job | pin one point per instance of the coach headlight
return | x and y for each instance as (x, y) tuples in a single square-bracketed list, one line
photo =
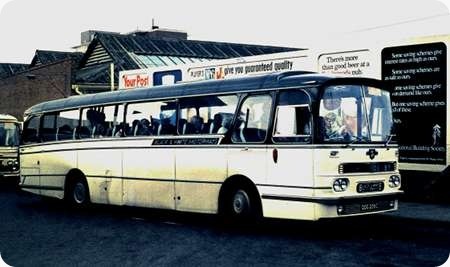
[(394, 181), (340, 184), (15, 165)]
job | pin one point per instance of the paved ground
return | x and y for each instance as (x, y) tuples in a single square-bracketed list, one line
[(422, 211), (36, 232)]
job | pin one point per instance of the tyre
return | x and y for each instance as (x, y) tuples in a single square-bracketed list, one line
[(242, 205), (78, 193)]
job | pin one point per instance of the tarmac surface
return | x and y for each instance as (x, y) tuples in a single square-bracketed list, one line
[(36, 231), (422, 211)]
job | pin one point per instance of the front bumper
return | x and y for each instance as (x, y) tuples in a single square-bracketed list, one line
[(314, 208), (6, 175)]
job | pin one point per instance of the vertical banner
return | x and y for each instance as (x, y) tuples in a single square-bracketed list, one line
[(417, 75)]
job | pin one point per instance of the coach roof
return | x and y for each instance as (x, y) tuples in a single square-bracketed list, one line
[(275, 80), (7, 117)]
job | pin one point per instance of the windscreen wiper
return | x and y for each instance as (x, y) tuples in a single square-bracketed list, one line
[(389, 139), (357, 139)]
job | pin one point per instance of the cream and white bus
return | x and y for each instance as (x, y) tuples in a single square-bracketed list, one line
[(9, 148), (256, 146)]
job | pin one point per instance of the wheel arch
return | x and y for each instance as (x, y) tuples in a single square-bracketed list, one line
[(238, 181), (71, 177)]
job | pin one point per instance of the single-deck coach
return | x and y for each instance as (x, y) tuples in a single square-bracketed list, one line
[(287, 145)]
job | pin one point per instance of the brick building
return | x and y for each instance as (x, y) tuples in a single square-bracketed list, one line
[(49, 76), (37, 84)]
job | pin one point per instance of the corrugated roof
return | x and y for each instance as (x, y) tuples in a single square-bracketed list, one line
[(44, 57), (118, 45), (9, 69), (134, 51)]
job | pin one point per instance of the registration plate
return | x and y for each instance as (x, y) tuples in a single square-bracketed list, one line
[(370, 207), (370, 187), (373, 206)]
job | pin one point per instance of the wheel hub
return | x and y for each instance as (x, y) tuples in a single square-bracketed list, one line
[(241, 202), (79, 193)]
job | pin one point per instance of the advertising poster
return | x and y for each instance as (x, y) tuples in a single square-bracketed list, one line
[(255, 66), (416, 74), (349, 63)]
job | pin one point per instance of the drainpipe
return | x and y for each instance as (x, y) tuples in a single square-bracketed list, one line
[(112, 75)]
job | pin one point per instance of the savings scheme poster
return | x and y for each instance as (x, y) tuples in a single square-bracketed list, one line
[(417, 76)]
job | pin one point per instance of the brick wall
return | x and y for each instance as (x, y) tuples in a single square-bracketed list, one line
[(42, 83)]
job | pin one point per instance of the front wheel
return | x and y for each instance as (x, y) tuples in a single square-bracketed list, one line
[(78, 193), (242, 205)]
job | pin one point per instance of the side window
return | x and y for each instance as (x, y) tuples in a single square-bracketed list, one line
[(85, 128), (253, 120), (92, 123), (100, 122), (207, 114), (66, 123), (31, 130), (116, 124), (112, 124), (168, 119), (293, 121), (48, 128), (151, 118)]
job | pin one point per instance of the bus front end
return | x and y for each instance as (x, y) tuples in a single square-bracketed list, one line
[(356, 164), (9, 145), (356, 181)]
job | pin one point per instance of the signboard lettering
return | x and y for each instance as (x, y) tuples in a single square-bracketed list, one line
[(417, 76), (352, 63), (135, 81), (241, 69)]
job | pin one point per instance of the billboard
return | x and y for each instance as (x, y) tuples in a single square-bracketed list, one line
[(417, 76), (356, 63), (215, 69)]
